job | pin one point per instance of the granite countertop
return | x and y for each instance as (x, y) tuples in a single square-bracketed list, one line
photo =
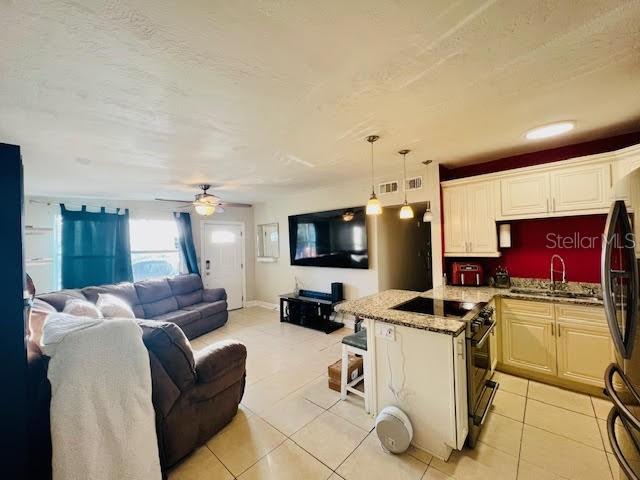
[(379, 306)]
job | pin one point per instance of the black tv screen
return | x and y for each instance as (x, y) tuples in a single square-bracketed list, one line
[(336, 238)]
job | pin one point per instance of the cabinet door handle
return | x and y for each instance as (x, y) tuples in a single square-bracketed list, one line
[(559, 332), (553, 332), (547, 201), (553, 204), (470, 247)]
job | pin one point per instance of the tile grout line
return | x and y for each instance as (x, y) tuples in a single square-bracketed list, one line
[(526, 401)]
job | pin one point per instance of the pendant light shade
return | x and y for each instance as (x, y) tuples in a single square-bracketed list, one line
[(428, 215), (406, 211), (373, 205)]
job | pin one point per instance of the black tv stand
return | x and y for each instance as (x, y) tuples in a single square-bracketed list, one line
[(309, 309)]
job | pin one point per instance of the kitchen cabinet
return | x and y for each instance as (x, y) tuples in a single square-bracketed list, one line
[(569, 342), (526, 194), (580, 188), (584, 344), (529, 343), (469, 220)]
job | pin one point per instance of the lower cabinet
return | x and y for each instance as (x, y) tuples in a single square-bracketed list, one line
[(584, 351), (529, 343), (570, 342)]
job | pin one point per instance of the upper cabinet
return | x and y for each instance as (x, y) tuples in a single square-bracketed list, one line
[(469, 220), (526, 194), (571, 190), (580, 188)]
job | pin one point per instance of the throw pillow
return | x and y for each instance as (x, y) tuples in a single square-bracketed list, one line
[(81, 308), (114, 307)]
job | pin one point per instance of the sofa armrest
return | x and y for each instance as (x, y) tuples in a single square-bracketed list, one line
[(225, 358), (172, 349), (214, 294)]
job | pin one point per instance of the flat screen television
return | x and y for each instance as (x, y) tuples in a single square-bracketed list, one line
[(335, 238)]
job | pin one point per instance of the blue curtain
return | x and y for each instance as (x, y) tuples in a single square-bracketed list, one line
[(185, 238), (96, 248)]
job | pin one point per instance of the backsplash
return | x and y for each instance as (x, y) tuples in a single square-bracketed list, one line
[(589, 288)]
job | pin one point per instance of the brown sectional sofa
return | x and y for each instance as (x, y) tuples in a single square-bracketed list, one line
[(195, 394)]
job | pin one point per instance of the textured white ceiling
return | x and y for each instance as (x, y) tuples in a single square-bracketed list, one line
[(133, 99)]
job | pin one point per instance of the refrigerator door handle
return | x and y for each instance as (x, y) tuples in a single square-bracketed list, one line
[(615, 446), (620, 406), (618, 229)]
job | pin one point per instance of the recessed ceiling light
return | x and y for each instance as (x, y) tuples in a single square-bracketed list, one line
[(550, 130)]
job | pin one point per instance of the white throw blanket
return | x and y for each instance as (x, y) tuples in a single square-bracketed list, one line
[(102, 418)]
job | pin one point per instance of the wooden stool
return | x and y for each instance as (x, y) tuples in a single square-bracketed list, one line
[(357, 344)]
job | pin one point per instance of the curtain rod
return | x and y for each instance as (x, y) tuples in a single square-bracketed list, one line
[(89, 205)]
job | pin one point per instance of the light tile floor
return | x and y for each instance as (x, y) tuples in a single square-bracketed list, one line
[(292, 426)]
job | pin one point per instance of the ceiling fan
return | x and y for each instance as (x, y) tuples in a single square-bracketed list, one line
[(205, 203)]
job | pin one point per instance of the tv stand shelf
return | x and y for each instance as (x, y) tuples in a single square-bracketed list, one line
[(309, 309)]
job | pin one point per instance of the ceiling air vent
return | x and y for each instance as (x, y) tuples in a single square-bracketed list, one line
[(388, 187), (414, 183)]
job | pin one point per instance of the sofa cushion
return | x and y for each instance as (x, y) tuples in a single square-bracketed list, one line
[(166, 305), (181, 284), (59, 299), (186, 288), (153, 290), (206, 309), (126, 291), (179, 317)]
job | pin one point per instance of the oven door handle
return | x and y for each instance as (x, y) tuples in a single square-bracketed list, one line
[(615, 446), (480, 343)]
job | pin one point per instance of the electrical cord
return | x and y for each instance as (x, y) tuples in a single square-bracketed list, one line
[(398, 394)]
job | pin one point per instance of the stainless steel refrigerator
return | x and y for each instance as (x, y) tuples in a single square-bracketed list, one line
[(621, 289)]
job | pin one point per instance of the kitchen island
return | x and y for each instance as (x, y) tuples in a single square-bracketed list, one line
[(418, 361)]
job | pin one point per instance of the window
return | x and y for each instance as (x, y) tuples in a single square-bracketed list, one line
[(154, 248)]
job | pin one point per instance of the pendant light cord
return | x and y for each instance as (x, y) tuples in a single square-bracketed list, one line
[(373, 189), (404, 175)]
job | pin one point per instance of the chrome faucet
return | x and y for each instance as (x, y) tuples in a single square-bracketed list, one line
[(563, 271)]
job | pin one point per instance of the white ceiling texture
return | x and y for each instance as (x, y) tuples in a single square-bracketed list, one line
[(135, 99)]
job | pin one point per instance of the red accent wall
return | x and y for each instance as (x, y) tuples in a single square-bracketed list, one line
[(578, 240)]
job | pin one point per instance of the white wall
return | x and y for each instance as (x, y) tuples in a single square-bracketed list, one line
[(41, 212), (273, 279)]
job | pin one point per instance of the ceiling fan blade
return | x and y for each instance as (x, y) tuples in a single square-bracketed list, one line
[(219, 209), (231, 204), (173, 201)]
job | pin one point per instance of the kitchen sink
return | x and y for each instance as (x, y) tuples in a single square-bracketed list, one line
[(555, 293)]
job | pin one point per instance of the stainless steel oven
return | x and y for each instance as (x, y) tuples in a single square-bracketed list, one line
[(480, 388)]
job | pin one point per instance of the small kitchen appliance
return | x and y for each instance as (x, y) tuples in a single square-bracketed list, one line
[(467, 274), (502, 279)]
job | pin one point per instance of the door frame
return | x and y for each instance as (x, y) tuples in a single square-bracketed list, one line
[(203, 225)]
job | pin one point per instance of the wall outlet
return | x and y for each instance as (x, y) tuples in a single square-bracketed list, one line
[(387, 332)]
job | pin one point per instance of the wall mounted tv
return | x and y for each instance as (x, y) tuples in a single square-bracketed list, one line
[(335, 238)]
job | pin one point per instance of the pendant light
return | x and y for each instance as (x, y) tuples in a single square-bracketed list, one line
[(428, 215), (406, 211), (373, 205)]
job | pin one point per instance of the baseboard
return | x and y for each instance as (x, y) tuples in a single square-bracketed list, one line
[(261, 304)]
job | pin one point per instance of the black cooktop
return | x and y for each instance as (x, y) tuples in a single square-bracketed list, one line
[(441, 308)]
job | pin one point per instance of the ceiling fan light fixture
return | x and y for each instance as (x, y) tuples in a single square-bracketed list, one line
[(205, 209)]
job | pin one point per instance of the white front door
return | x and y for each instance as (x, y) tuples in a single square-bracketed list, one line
[(222, 262)]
